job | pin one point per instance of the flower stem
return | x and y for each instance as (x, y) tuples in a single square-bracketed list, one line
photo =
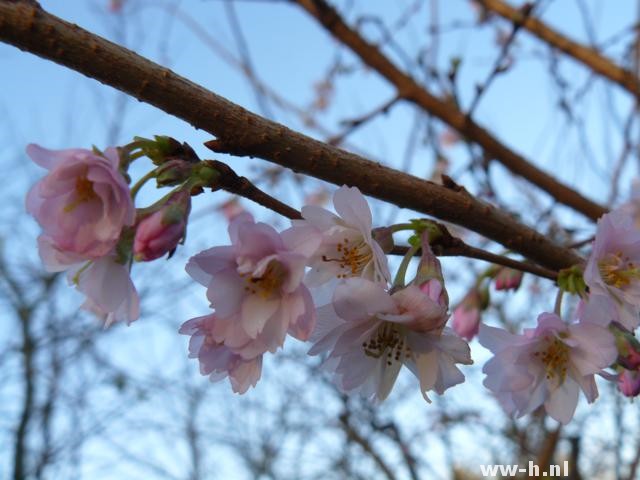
[(138, 185), (558, 307), (402, 270)]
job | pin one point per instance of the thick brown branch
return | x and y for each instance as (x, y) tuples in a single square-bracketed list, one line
[(589, 57), (244, 133), (409, 89)]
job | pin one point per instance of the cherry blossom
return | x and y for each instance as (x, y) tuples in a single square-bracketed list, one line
[(613, 268), (108, 287), (82, 204), (369, 334), (255, 286), (216, 359), (346, 246), (547, 365)]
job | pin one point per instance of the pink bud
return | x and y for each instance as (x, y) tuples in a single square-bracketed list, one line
[(508, 279), (466, 316), (629, 383), (160, 232), (628, 350)]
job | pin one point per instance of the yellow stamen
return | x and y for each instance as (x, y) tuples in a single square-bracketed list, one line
[(84, 192), (269, 283), (618, 271), (555, 358), (352, 258)]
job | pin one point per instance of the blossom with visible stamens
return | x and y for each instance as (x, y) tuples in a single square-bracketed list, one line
[(613, 268), (346, 246), (82, 204), (369, 334), (255, 286), (547, 365)]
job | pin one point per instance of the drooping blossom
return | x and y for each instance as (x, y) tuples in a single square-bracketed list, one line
[(629, 383), (108, 287), (255, 286), (613, 268), (346, 246), (466, 316), (216, 359), (160, 232), (82, 204), (547, 365), (369, 334)]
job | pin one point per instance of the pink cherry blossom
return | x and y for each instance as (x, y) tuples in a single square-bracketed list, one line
[(82, 204), (216, 359), (369, 334), (160, 232), (347, 248), (547, 365), (613, 268), (108, 287), (255, 286)]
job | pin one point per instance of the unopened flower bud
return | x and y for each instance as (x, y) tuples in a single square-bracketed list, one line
[(173, 172), (628, 350), (163, 149), (629, 383), (466, 316), (508, 279), (160, 232), (429, 266)]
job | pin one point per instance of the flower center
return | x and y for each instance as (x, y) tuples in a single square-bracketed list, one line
[(84, 192), (618, 271), (269, 283), (555, 359), (387, 340), (352, 257)]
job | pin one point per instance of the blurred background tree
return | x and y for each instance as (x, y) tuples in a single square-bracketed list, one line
[(553, 82)]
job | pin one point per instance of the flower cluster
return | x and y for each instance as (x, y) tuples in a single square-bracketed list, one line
[(326, 280), (259, 292), (91, 230), (550, 364)]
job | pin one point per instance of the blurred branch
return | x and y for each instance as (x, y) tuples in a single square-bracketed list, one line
[(409, 89), (589, 57)]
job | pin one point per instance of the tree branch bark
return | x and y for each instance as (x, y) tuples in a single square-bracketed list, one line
[(241, 132), (409, 89)]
